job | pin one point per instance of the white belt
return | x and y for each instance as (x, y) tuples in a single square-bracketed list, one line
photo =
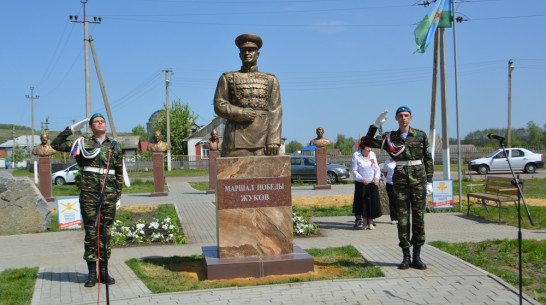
[(409, 163), (98, 170)]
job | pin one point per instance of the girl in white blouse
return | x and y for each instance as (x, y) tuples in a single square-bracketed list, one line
[(366, 204)]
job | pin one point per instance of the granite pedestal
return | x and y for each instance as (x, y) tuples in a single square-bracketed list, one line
[(322, 175), (159, 176), (44, 171), (213, 155), (254, 220)]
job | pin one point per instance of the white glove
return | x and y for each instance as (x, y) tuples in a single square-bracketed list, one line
[(79, 125), (429, 188), (118, 204), (382, 118)]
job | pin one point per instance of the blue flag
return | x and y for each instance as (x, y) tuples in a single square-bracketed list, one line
[(440, 13)]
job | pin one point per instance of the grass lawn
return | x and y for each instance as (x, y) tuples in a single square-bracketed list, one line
[(187, 273), (500, 257), (137, 187), (181, 172), (17, 285)]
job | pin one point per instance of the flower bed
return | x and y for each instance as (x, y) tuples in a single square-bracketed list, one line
[(158, 232), (302, 226)]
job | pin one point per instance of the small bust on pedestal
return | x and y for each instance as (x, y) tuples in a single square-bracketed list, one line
[(214, 143), (43, 150), (158, 146), (319, 141)]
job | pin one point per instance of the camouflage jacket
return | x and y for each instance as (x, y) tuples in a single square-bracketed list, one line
[(91, 181), (416, 146), (259, 91)]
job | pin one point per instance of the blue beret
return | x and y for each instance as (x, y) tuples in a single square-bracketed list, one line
[(402, 109), (94, 116)]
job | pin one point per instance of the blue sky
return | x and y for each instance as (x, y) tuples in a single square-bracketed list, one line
[(339, 62)]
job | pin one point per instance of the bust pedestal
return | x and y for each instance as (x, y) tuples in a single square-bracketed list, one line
[(322, 177), (44, 171), (213, 154), (159, 176)]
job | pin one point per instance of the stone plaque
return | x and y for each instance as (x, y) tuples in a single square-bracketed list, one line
[(254, 213), (254, 193)]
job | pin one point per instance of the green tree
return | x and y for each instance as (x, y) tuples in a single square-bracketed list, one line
[(535, 134), (293, 146), (181, 122), (345, 145), (140, 131), (19, 154)]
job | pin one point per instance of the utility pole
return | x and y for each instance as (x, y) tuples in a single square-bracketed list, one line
[(47, 125), (167, 81), (103, 90), (32, 98), (86, 45), (13, 149), (510, 68)]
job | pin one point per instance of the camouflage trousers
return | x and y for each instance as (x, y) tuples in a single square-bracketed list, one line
[(410, 191), (89, 203)]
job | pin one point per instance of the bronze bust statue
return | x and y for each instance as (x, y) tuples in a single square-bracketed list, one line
[(214, 142), (43, 150), (158, 146), (319, 141), (250, 101)]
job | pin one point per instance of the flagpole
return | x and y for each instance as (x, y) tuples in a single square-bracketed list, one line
[(457, 107)]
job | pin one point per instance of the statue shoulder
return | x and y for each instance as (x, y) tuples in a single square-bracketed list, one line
[(229, 73)]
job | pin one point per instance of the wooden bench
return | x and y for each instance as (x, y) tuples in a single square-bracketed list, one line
[(497, 189)]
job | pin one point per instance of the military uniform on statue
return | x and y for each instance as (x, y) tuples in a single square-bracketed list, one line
[(250, 101)]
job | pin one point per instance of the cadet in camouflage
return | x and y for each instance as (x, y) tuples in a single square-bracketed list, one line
[(250, 102), (92, 155), (412, 180)]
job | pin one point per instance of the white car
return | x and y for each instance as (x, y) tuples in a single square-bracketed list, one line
[(66, 175), (520, 159)]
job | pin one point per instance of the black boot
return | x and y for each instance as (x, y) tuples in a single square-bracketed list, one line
[(91, 280), (417, 263), (358, 222), (406, 260), (103, 276)]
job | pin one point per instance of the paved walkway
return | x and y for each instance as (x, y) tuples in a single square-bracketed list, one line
[(448, 280)]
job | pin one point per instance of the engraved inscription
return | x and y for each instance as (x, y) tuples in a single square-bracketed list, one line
[(253, 193)]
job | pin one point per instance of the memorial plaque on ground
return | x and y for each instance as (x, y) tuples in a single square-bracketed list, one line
[(254, 214)]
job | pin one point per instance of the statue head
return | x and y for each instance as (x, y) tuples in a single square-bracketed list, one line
[(157, 136), (249, 46), (320, 132), (214, 135), (43, 138)]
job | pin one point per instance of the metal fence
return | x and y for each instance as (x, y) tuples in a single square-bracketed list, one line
[(145, 163), (466, 155)]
